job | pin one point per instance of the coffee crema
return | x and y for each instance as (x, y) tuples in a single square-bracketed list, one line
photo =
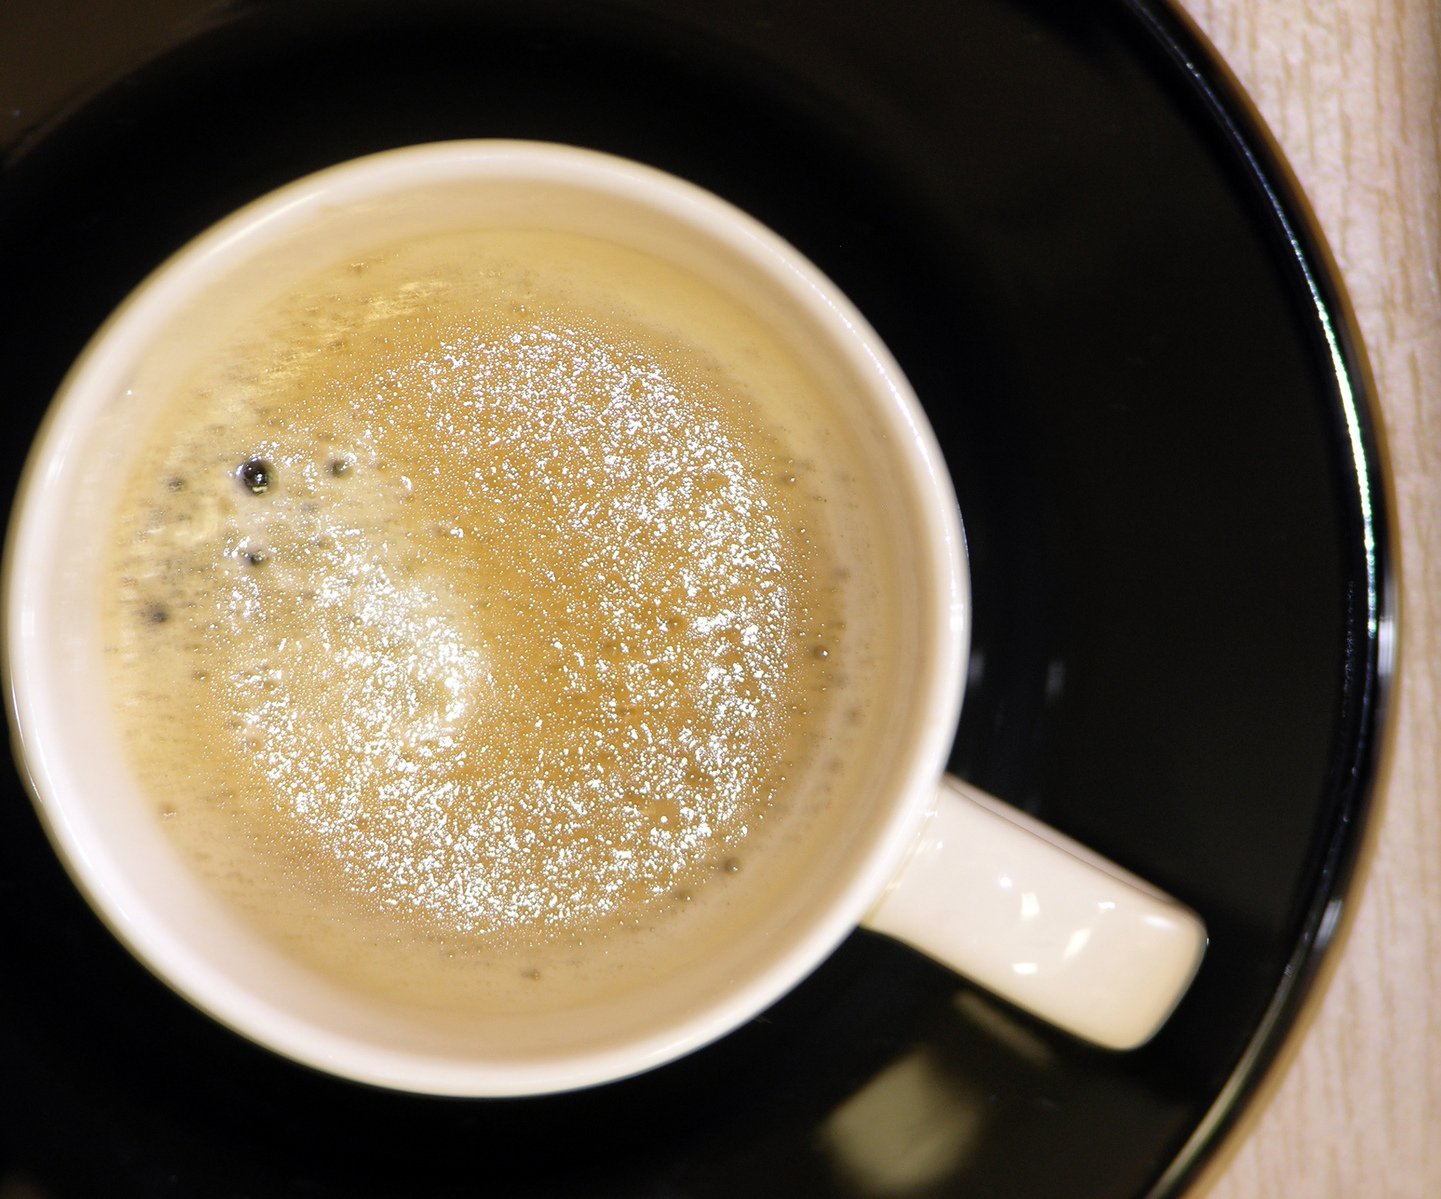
[(484, 617)]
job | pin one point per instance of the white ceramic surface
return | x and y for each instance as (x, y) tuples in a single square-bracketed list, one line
[(1110, 955), (1036, 917)]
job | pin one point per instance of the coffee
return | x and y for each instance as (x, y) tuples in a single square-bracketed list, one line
[(489, 617)]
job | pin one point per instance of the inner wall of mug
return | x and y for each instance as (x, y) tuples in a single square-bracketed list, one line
[(101, 821)]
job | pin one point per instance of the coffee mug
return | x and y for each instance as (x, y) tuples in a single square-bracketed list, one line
[(895, 846)]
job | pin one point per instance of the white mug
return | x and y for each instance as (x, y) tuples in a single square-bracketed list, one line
[(1005, 901)]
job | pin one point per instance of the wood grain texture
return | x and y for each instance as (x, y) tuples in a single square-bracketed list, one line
[(1351, 89)]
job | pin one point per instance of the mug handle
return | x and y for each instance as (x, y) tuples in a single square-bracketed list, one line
[(1042, 921)]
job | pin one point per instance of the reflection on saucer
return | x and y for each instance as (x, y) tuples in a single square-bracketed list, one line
[(905, 1130), (999, 1025)]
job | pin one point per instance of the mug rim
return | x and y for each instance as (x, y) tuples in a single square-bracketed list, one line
[(188, 272)]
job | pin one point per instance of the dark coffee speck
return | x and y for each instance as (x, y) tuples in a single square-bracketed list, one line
[(257, 475)]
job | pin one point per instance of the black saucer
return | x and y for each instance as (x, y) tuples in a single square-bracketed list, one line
[(1064, 222)]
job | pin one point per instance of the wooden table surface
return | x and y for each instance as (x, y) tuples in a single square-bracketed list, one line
[(1351, 89)]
